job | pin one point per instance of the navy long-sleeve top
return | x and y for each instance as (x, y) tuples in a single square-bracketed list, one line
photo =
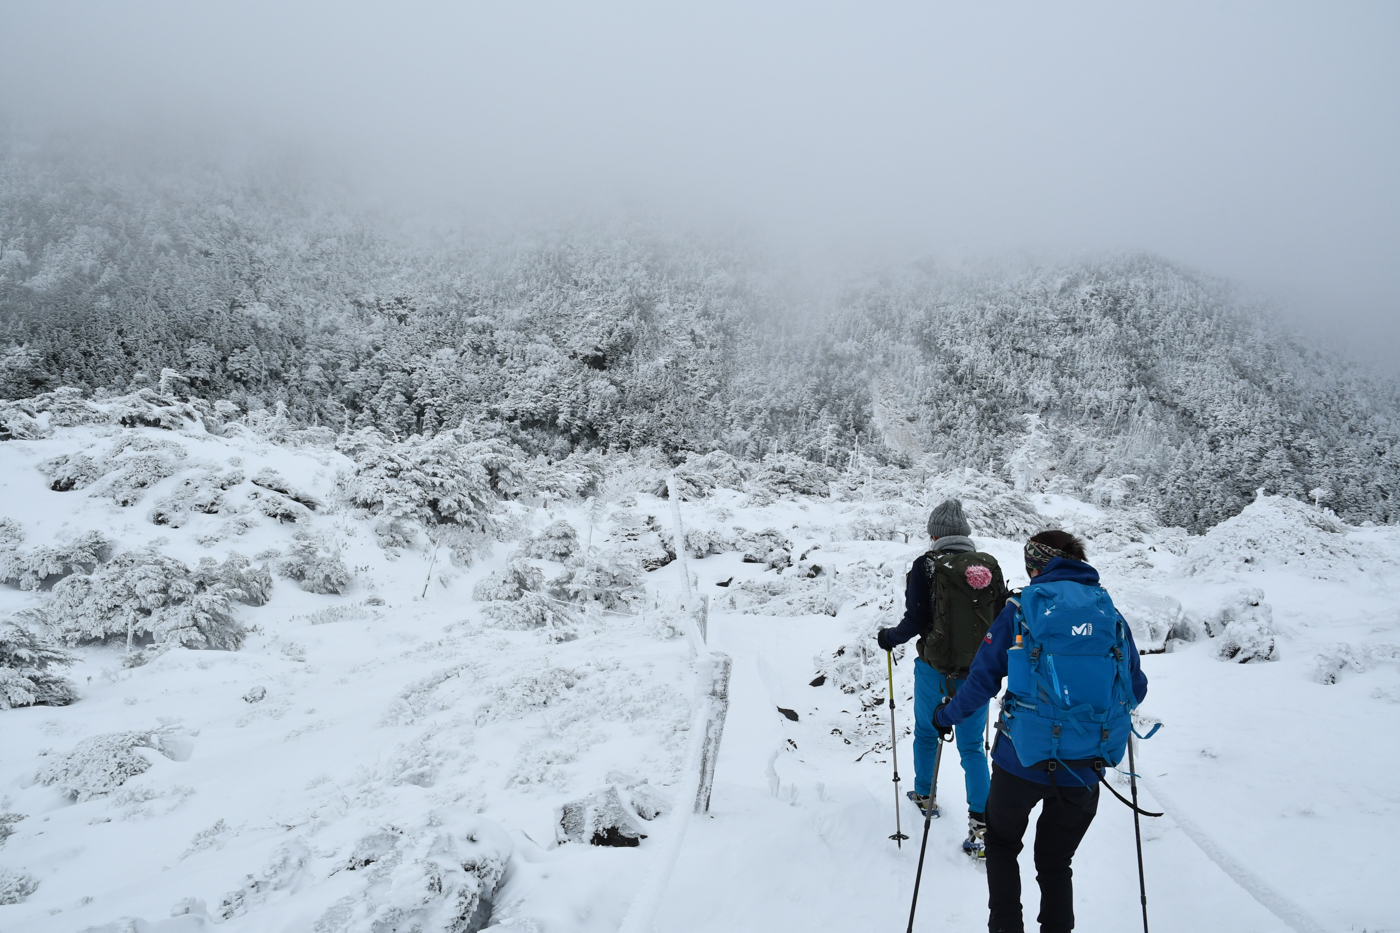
[(989, 669)]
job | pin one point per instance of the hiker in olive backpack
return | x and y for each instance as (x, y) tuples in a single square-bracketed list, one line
[(1062, 616), (952, 594)]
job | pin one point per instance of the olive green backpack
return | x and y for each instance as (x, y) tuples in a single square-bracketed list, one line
[(967, 592)]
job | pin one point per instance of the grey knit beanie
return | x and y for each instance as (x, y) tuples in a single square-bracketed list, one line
[(948, 519)]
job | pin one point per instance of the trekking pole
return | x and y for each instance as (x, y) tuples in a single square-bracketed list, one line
[(1137, 831), (928, 818), (898, 836)]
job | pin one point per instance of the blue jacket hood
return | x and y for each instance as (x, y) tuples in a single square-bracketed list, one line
[(1062, 569)]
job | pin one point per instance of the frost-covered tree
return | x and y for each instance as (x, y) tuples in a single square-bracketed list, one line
[(29, 665), (47, 563), (557, 542), (449, 478), (316, 564), (147, 595), (291, 312)]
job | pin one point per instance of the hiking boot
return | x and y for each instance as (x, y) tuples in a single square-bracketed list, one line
[(976, 843), (926, 806)]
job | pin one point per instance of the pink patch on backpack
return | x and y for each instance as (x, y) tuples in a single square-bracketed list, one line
[(978, 577)]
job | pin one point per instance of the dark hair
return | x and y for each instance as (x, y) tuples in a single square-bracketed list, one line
[(1063, 541)]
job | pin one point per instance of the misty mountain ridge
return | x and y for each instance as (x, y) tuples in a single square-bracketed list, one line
[(1124, 379)]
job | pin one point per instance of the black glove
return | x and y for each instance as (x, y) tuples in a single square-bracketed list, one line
[(883, 641), (943, 731)]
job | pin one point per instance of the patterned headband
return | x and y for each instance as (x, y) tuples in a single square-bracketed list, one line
[(1039, 554)]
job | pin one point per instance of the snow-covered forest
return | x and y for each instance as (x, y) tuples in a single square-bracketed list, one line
[(1122, 379), (362, 578)]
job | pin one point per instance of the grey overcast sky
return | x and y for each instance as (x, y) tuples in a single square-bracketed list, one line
[(1259, 141)]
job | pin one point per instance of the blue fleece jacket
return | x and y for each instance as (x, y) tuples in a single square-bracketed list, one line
[(989, 669)]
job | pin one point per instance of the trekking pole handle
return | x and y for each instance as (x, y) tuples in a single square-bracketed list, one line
[(889, 664)]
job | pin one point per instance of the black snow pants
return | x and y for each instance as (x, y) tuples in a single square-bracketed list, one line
[(1063, 822)]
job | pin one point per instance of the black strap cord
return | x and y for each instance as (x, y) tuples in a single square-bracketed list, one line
[(1098, 768)]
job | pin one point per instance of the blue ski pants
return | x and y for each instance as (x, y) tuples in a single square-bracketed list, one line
[(930, 687)]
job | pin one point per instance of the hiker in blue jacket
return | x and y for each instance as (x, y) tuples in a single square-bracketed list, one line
[(952, 595), (1070, 800)]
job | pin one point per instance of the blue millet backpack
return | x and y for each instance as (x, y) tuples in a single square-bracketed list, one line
[(1069, 683)]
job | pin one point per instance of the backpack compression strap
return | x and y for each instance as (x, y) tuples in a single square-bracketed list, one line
[(1098, 769)]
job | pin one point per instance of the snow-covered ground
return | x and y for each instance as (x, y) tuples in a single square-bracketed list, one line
[(404, 754)]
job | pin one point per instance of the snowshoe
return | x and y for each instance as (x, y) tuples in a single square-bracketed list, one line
[(925, 805), (975, 845)]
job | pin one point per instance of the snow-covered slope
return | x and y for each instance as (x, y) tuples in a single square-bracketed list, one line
[(405, 740)]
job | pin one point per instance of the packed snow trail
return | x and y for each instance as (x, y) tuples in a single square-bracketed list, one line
[(385, 713), (813, 853), (1277, 904)]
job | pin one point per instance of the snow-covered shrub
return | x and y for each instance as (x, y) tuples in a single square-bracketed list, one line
[(19, 422), (1245, 627), (872, 482), (649, 801), (287, 866), (510, 583), (315, 563), (702, 542), (71, 471), (1189, 627), (28, 668), (444, 479), (332, 614), (101, 764), (637, 537), (7, 828), (574, 477), (994, 509), (608, 579), (602, 818), (135, 464), (558, 542), (440, 877), (1116, 531), (140, 657), (1333, 661), (1114, 492), (532, 611), (150, 408), (642, 470), (231, 527), (271, 479), (512, 599), (67, 408), (142, 594), (889, 522), (46, 564), (1330, 663), (1152, 618), (783, 476), (15, 886), (11, 534), (768, 547), (702, 474), (277, 506), (237, 573), (202, 493), (1275, 531), (858, 665), (782, 596)]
